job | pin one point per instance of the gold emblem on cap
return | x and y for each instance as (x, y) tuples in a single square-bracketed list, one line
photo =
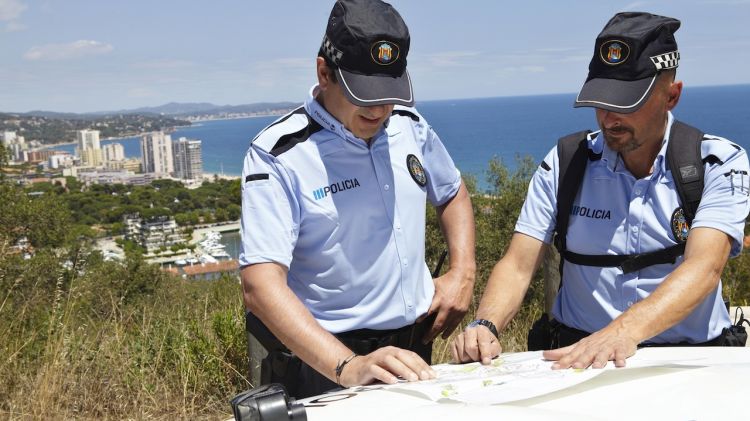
[(384, 52), (614, 52)]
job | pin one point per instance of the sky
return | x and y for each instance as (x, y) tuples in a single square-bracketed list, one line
[(97, 55)]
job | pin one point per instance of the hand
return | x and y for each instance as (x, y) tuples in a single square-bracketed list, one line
[(475, 344), (453, 292), (386, 364), (594, 350)]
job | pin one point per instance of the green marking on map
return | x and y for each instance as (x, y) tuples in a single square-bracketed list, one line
[(469, 368), (497, 362), (448, 390)]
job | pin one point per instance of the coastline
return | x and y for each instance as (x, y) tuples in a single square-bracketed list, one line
[(210, 176)]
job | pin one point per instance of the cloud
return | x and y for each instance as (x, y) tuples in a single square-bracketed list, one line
[(141, 93), (11, 9), (71, 50), (288, 63), (451, 58), (167, 64), (14, 26), (637, 5)]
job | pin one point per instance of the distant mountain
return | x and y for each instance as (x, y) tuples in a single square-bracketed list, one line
[(176, 109)]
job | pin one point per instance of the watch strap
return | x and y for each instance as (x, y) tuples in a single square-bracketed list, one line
[(486, 323)]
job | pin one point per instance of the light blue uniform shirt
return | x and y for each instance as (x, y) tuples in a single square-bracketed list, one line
[(615, 213), (346, 219)]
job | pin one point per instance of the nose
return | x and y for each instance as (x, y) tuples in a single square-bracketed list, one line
[(376, 111), (607, 118)]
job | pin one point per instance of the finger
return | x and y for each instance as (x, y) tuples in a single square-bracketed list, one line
[(488, 348), (471, 344), (403, 366), (437, 327), (451, 324), (457, 347), (556, 354), (600, 360), (382, 374), (620, 356), (416, 364)]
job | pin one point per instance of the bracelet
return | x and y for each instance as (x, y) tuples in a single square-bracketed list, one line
[(340, 367)]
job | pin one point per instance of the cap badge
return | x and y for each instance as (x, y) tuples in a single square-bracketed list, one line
[(614, 52), (416, 170), (680, 227), (384, 52)]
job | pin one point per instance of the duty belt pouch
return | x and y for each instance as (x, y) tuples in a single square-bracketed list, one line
[(540, 334), (279, 367), (736, 334)]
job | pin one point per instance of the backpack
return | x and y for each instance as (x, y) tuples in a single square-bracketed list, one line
[(683, 154)]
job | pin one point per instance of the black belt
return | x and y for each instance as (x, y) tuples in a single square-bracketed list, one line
[(364, 341), (564, 335)]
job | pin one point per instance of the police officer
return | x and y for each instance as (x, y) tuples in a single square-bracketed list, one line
[(333, 218), (627, 205)]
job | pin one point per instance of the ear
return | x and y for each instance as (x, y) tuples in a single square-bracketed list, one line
[(674, 90), (323, 73)]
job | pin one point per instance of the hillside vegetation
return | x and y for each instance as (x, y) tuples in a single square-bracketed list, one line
[(85, 338)]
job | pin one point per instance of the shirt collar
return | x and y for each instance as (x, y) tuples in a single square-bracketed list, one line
[(614, 161), (330, 123)]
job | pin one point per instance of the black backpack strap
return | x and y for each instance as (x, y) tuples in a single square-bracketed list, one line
[(572, 154), (685, 161), (628, 262)]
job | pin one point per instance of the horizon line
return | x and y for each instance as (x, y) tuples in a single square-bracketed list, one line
[(297, 102)]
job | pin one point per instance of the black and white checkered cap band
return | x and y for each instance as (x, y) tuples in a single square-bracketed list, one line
[(666, 60), (330, 51)]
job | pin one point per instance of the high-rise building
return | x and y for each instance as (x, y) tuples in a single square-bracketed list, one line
[(89, 148), (156, 151), (8, 137), (113, 152), (188, 162)]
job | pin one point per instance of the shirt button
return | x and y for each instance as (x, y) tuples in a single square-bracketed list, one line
[(406, 262), (630, 303), (634, 229), (386, 187), (637, 191)]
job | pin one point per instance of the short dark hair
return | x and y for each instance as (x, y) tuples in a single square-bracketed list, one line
[(331, 67)]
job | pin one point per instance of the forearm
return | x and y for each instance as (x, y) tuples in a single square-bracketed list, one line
[(509, 280), (682, 291), (457, 222), (268, 297)]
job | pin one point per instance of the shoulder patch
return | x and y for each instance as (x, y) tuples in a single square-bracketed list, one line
[(290, 140), (405, 113), (717, 150)]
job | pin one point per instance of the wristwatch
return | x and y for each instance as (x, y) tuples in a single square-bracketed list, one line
[(486, 323)]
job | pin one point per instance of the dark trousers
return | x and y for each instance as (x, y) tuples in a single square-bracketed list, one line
[(301, 380), (564, 335)]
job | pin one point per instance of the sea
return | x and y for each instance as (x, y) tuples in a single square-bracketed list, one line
[(476, 130)]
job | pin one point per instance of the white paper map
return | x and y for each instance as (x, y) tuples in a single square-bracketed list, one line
[(510, 377)]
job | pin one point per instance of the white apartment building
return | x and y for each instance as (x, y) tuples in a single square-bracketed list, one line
[(158, 232), (113, 152), (188, 161), (156, 151), (89, 148)]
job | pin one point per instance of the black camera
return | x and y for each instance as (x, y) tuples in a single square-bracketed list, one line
[(267, 403)]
